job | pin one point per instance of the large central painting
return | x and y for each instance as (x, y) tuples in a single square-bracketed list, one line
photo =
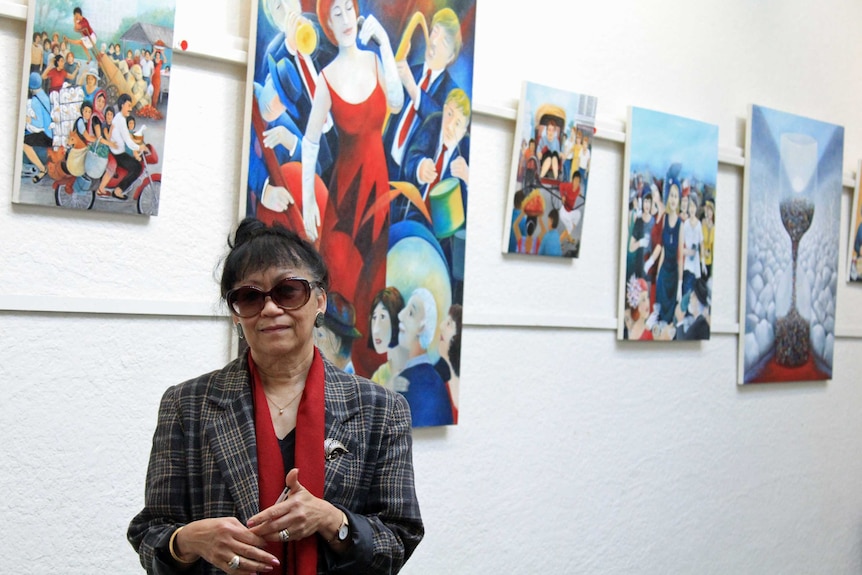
[(359, 140)]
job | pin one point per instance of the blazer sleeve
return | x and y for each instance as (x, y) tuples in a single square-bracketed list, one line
[(167, 490), (386, 527)]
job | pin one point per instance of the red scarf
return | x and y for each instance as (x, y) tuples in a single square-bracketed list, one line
[(309, 458)]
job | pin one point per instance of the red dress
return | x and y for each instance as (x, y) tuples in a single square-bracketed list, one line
[(354, 238)]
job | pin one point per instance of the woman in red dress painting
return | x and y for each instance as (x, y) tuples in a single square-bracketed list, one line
[(357, 87)]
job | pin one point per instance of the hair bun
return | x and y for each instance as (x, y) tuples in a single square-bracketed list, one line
[(247, 229)]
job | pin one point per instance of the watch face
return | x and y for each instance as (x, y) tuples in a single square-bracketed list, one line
[(343, 531)]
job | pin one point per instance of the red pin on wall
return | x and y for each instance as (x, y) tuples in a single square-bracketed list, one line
[(184, 45)]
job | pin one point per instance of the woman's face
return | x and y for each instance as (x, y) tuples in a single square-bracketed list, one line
[(86, 112), (275, 332), (448, 329), (683, 205), (708, 212), (109, 115), (342, 21), (381, 328), (643, 304), (100, 102), (692, 209), (673, 199)]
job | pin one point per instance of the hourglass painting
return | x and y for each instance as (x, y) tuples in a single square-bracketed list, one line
[(791, 226)]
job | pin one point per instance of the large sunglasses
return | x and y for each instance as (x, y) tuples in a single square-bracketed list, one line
[(288, 294)]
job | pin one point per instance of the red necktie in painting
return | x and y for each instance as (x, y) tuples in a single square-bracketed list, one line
[(411, 112), (307, 73), (439, 167)]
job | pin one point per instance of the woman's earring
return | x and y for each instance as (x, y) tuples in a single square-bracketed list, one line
[(239, 333), (318, 320)]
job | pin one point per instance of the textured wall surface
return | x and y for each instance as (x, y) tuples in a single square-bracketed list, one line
[(576, 453)]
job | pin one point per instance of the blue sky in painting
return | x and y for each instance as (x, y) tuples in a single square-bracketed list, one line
[(659, 140)]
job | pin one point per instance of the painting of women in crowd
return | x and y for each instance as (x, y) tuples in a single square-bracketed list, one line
[(854, 267), (791, 226), (94, 105), (550, 170), (668, 228), (359, 139)]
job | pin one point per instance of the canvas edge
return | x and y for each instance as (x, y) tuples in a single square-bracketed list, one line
[(513, 170), (621, 268), (854, 222), (246, 118), (22, 105), (743, 248)]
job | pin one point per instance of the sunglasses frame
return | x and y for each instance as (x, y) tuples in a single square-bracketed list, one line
[(309, 285)]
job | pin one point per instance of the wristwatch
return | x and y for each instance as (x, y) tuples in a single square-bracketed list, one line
[(344, 530)]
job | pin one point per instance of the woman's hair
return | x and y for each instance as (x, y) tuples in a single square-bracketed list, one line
[(393, 301), (323, 8), (256, 247), (455, 312)]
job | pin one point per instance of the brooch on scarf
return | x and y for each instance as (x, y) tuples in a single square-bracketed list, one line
[(333, 448)]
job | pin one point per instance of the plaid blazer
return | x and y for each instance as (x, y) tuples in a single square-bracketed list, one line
[(203, 464)]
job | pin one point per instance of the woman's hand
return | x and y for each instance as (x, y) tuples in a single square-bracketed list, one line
[(219, 540), (301, 515)]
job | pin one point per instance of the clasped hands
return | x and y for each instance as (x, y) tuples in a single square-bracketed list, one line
[(219, 540)]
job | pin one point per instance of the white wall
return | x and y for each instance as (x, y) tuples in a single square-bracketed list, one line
[(576, 453)]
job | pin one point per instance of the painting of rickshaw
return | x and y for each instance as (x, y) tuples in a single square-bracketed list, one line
[(94, 100), (550, 170), (668, 228), (791, 221), (358, 139)]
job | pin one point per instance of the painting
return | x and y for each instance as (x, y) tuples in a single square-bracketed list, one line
[(668, 228), (94, 100), (358, 138), (791, 226), (854, 266), (550, 170)]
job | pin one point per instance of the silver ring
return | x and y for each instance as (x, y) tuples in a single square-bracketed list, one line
[(284, 535), (234, 563)]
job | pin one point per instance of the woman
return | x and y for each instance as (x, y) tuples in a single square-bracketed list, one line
[(449, 348), (637, 309), (224, 441), (708, 235), (156, 78), (669, 282), (356, 88), (383, 334), (692, 246)]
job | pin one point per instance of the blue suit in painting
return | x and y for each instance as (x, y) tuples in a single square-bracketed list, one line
[(284, 78), (430, 102), (426, 393)]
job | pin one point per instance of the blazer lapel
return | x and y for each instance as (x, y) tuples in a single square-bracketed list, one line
[(232, 440)]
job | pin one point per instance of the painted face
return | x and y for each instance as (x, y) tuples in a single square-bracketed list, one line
[(440, 50), (279, 10), (275, 331), (70, 57), (127, 108), (91, 81), (454, 125), (553, 132), (109, 115), (381, 328), (643, 304), (342, 21), (647, 208), (412, 318), (673, 199), (683, 205), (448, 330), (708, 211), (100, 102), (692, 209), (86, 112)]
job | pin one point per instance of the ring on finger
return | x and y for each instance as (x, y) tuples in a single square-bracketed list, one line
[(284, 535), (233, 565)]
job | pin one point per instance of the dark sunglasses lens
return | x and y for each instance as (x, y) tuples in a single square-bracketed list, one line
[(246, 301), (291, 294)]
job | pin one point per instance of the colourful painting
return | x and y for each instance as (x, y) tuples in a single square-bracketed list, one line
[(550, 170), (668, 228), (359, 117), (94, 100), (791, 226), (854, 267)]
